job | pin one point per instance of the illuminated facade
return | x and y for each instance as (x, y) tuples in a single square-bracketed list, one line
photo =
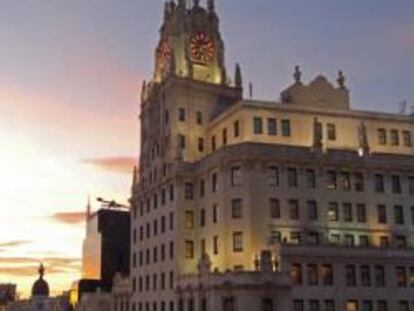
[(299, 204)]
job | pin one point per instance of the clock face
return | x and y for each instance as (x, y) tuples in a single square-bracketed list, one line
[(202, 48)]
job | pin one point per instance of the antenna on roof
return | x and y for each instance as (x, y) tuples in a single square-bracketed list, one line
[(251, 90), (403, 107)]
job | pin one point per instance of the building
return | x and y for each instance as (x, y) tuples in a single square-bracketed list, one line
[(302, 195), (106, 253), (40, 299), (7, 295)]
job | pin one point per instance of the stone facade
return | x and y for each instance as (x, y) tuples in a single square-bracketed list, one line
[(326, 191)]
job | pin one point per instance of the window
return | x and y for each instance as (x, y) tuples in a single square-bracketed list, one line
[(310, 179), (181, 114), (236, 128), (224, 136), (345, 181), (295, 237), (313, 305), (298, 305), (296, 274), (292, 177), (335, 238), (407, 139), (271, 126), (267, 304), (237, 242), (189, 191), (333, 213), (274, 208), (312, 274), (236, 209), (171, 221), (382, 214), (363, 240), (367, 305), (384, 241), (201, 144), (214, 182), (350, 275), (394, 137), (293, 209), (327, 275), (359, 182), (382, 305), (349, 240), (403, 305), (411, 185), (273, 173), (257, 125), (401, 276), (202, 217), (199, 117), (398, 215), (189, 250), (203, 246), (365, 275), (361, 213), (171, 192), (229, 304), (379, 183), (181, 141), (331, 180), (412, 276), (312, 210), (215, 245), (380, 276), (189, 220), (382, 137), (329, 305), (401, 241), (396, 184), (236, 176), (347, 209), (286, 131), (213, 143), (331, 131), (215, 215)]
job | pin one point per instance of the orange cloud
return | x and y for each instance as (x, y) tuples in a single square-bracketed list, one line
[(17, 243), (69, 218), (120, 165)]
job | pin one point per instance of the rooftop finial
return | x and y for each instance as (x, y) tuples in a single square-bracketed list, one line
[(41, 271), (341, 79), (297, 75)]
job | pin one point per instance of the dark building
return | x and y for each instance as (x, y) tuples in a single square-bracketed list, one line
[(106, 248)]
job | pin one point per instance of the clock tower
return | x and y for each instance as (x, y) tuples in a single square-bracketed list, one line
[(190, 43)]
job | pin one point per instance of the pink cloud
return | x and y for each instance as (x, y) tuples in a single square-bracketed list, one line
[(68, 218), (121, 165)]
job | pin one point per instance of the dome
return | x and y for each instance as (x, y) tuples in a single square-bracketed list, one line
[(40, 287)]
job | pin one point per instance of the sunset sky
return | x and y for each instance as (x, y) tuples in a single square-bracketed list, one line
[(70, 73)]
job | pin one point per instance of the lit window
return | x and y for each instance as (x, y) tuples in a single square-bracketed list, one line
[(331, 131), (312, 274), (296, 274), (333, 213), (351, 305), (189, 249), (345, 181)]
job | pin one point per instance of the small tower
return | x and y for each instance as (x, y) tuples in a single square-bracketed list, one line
[(341, 80), (297, 75)]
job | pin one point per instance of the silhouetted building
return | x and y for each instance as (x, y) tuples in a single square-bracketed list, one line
[(7, 294)]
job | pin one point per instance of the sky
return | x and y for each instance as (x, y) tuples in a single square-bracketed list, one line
[(70, 75)]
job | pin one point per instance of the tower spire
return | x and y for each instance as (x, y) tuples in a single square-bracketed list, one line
[(88, 208), (41, 271), (238, 77)]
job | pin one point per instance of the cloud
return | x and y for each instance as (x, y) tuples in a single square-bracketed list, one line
[(69, 218), (10, 244), (119, 165), (27, 266)]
